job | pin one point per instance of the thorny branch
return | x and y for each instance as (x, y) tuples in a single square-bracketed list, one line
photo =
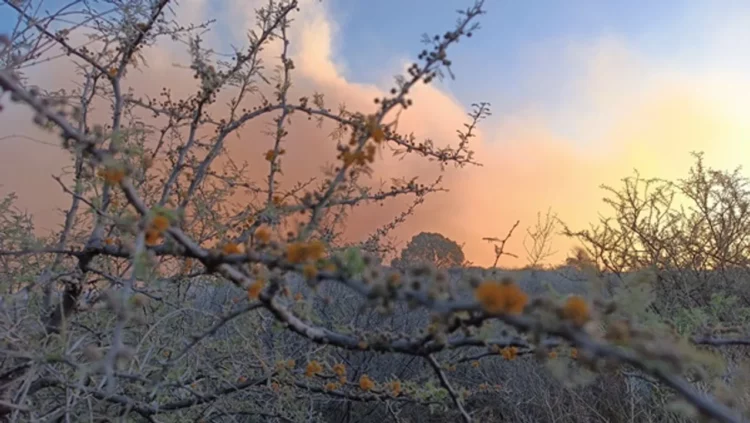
[(459, 316)]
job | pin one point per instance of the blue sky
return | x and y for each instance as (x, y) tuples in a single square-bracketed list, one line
[(519, 59), (573, 73), (666, 30), (376, 33)]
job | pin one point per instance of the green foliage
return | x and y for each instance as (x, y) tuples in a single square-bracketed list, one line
[(690, 320), (634, 298)]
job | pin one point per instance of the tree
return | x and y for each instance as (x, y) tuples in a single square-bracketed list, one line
[(430, 248), (538, 239), (692, 232), (204, 308)]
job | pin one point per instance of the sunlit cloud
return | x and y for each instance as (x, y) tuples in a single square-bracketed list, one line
[(597, 109)]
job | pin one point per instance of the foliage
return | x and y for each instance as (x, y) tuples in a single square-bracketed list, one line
[(162, 298), (692, 233), (429, 248)]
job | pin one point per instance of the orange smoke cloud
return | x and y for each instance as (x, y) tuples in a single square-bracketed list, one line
[(528, 164)]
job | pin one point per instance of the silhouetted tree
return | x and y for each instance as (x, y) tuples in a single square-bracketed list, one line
[(431, 248)]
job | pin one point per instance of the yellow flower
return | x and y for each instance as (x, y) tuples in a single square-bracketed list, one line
[(331, 386), (374, 130), (152, 237), (396, 388), (501, 297), (160, 223), (339, 369), (313, 368), (112, 175), (270, 154), (263, 235), (300, 252), (576, 309), (365, 383), (232, 248), (509, 353), (253, 291)]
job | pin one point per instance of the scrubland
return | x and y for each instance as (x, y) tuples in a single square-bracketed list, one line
[(179, 288)]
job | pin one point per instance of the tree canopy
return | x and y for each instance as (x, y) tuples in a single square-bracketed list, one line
[(430, 248)]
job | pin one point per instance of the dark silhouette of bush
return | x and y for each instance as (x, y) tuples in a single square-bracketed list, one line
[(430, 248)]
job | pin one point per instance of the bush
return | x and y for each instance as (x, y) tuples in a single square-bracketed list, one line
[(163, 299), (428, 248)]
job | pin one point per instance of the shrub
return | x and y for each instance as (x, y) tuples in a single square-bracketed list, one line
[(162, 299)]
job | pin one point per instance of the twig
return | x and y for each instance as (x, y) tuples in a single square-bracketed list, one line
[(446, 384)]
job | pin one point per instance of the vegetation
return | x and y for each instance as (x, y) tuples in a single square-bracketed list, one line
[(429, 248), (163, 299)]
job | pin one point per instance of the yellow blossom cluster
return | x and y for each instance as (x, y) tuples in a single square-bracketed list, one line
[(501, 297), (395, 388), (112, 175), (509, 353), (313, 368), (365, 383), (576, 310), (156, 228), (263, 235), (299, 252), (232, 248), (253, 291), (271, 154), (339, 369)]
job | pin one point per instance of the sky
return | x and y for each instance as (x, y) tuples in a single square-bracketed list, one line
[(583, 92)]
